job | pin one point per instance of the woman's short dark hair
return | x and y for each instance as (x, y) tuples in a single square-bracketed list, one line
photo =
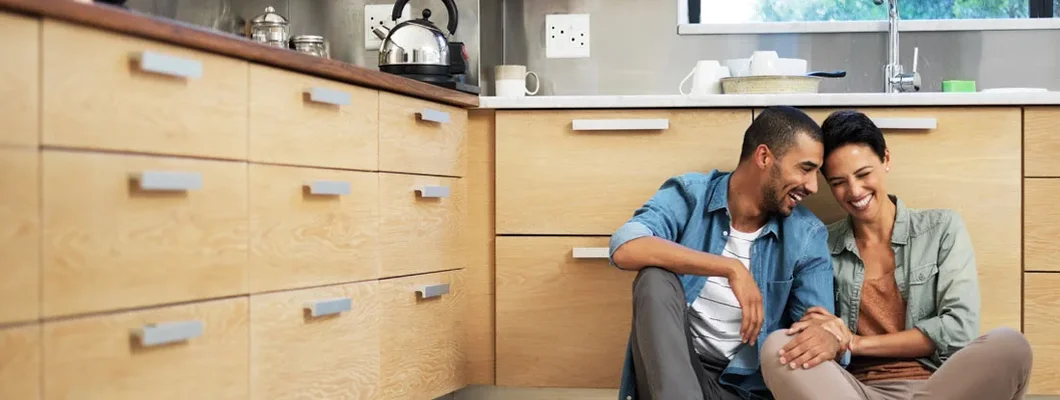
[(851, 127)]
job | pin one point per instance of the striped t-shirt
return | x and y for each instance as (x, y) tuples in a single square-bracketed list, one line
[(717, 316)]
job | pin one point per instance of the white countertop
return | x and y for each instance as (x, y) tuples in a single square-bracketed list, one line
[(762, 100)]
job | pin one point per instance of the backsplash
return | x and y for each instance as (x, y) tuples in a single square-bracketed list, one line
[(636, 50)]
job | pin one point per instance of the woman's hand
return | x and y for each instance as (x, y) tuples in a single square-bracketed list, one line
[(818, 316)]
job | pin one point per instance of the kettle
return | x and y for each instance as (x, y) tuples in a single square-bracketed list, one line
[(416, 47)]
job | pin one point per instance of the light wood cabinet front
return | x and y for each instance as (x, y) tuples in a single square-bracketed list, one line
[(553, 179), (561, 321), (190, 351), (320, 343), (20, 362), (104, 90), (19, 234), (422, 343), (311, 227), (1041, 225), (1041, 296), (19, 80), (1041, 139), (421, 225), (421, 137), (126, 231), (302, 120)]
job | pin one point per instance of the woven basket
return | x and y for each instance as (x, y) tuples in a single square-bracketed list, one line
[(770, 84)]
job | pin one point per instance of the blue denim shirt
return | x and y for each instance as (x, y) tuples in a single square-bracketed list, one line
[(790, 262)]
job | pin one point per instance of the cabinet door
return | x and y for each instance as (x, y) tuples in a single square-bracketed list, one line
[(19, 235), (1041, 296), (561, 321), (19, 80)]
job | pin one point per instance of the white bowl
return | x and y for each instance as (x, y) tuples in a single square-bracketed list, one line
[(791, 66)]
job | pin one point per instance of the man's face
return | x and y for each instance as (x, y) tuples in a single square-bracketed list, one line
[(793, 176)]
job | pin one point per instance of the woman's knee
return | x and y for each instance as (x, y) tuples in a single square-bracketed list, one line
[(1011, 343), (770, 351)]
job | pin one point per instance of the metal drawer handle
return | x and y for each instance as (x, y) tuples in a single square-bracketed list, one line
[(163, 64), (591, 252), (906, 123), (321, 308), (433, 290), (329, 96), (440, 117), (328, 188), (168, 332), (168, 181), (429, 191), (620, 124)]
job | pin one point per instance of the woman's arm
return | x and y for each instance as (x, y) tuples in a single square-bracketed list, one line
[(957, 297), (905, 344)]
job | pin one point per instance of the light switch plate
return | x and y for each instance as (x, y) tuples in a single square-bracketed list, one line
[(567, 36), (379, 14)]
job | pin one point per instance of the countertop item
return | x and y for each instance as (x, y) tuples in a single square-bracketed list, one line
[(270, 28), (763, 100), (183, 34), (958, 86), (311, 44)]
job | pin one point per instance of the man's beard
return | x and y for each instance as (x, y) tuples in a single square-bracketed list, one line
[(771, 198)]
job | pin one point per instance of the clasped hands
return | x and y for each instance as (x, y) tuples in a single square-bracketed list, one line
[(821, 336)]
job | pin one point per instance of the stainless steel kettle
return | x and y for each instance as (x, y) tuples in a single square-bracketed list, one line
[(416, 46)]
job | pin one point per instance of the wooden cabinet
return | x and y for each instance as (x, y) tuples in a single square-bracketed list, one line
[(19, 80), (1041, 225), (20, 362), (1041, 296), (421, 137), (421, 225), (19, 234), (1041, 141)]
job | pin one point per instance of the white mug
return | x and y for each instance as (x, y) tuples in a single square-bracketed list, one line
[(763, 63), (510, 81), (706, 78)]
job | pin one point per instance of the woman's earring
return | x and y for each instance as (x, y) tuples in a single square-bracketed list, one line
[(888, 169)]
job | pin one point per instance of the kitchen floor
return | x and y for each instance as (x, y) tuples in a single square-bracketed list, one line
[(499, 393)]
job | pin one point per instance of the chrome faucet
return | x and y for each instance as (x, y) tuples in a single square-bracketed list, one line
[(894, 78)]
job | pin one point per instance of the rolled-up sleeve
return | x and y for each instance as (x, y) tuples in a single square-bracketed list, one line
[(664, 215), (814, 281), (957, 300)]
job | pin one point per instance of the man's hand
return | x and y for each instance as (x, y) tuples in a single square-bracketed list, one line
[(819, 316), (746, 291), (812, 346)]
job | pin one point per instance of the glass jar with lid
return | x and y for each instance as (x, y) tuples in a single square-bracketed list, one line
[(270, 28), (311, 44)]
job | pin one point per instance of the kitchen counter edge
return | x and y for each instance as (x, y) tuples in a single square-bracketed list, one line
[(764, 100)]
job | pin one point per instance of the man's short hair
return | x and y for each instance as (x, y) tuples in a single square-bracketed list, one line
[(778, 128)]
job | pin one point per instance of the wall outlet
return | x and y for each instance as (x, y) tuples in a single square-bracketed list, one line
[(567, 35), (380, 14)]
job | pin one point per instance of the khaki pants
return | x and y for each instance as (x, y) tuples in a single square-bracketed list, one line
[(996, 366)]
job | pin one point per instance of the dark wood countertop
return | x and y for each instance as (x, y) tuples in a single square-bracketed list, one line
[(179, 33)]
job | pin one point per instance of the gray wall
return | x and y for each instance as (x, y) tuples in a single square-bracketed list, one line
[(636, 50), (339, 21)]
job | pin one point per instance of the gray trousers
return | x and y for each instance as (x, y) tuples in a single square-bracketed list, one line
[(667, 367)]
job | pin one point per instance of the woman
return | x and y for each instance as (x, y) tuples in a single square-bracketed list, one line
[(907, 296)]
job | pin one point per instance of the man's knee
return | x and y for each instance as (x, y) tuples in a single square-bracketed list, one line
[(656, 285), (1014, 347)]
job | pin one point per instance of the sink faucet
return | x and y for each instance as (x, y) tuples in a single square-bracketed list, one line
[(894, 78)]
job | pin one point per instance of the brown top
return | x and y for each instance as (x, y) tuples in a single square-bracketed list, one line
[(182, 34), (882, 311)]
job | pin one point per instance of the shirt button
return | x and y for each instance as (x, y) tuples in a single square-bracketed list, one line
[(725, 233)]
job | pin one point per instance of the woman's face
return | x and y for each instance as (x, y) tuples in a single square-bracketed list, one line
[(857, 178)]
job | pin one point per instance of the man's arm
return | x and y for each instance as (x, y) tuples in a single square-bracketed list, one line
[(813, 286)]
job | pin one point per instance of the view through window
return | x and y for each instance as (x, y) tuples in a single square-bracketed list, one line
[(748, 11)]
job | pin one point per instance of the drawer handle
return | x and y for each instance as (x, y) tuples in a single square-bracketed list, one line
[(330, 306), (906, 123), (440, 117), (620, 124), (433, 290), (591, 252), (153, 61), (433, 191), (168, 181), (168, 332), (328, 188), (329, 96)]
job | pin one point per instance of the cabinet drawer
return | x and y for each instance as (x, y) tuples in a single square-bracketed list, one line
[(422, 344), (19, 234), (19, 80), (1041, 224), (312, 227), (302, 120), (20, 364), (419, 136), (570, 316), (181, 352), (1041, 141), (323, 341), (555, 179), (105, 90), (1041, 295), (128, 231), (421, 224)]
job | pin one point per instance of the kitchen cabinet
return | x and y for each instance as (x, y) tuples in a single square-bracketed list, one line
[(19, 80), (19, 235), (1042, 294)]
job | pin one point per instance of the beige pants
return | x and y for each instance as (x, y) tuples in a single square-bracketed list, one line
[(996, 366)]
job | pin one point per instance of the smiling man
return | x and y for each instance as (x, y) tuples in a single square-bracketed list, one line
[(724, 259)]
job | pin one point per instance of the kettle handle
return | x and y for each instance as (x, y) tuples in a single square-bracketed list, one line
[(450, 8)]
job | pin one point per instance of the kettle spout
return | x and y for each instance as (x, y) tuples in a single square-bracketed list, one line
[(380, 31)]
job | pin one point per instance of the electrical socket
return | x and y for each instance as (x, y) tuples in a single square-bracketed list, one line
[(380, 14), (567, 36)]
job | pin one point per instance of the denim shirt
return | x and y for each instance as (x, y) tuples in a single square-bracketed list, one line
[(935, 272), (790, 263)]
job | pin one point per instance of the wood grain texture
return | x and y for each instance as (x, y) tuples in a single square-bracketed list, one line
[(1041, 295), (596, 180), (287, 128), (1041, 225), (191, 36), (417, 234), (1041, 138), (971, 164), (480, 350), (408, 144), (296, 356), (422, 344), (515, 393), (561, 322), (19, 80), (20, 362), (19, 235), (301, 240), (107, 244), (480, 249), (95, 357)]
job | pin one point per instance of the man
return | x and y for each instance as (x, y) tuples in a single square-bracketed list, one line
[(724, 259)]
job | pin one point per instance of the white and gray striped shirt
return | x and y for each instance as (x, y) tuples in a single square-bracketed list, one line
[(716, 316)]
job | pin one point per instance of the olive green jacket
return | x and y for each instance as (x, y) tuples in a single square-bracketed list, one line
[(935, 272)]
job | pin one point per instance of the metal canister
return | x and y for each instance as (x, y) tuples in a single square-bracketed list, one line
[(311, 44), (270, 28)]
